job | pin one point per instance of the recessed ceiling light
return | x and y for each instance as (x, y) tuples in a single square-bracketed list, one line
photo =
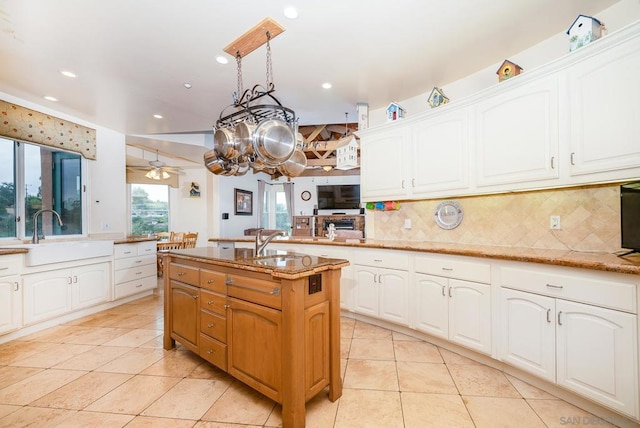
[(50, 98), (68, 73), (187, 85), (222, 60), (291, 12), (326, 85), (157, 116)]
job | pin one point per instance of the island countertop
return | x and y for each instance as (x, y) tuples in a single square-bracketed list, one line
[(579, 259), (279, 264)]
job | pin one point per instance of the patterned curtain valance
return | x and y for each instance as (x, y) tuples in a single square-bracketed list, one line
[(24, 124)]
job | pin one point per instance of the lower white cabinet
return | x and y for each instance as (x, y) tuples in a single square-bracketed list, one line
[(135, 268), (588, 349), (10, 303), (459, 311), (56, 292)]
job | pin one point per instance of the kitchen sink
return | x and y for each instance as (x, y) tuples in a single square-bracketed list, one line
[(64, 251), (276, 260)]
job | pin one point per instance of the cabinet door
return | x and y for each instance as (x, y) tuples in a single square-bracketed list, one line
[(470, 314), (518, 135), (393, 300), (47, 294), (254, 343), (90, 285), (184, 313), (527, 337), (440, 153), (604, 111), (431, 300), (383, 165), (597, 354), (10, 303), (366, 290)]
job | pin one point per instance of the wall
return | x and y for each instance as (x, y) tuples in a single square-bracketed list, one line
[(187, 213), (589, 216)]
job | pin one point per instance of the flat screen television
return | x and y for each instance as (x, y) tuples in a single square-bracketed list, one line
[(338, 196), (630, 216)]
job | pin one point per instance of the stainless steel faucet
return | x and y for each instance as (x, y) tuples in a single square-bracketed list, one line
[(261, 242), (35, 239)]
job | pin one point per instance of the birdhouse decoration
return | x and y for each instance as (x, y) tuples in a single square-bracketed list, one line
[(347, 155), (584, 30), (395, 112), (507, 70), (437, 97)]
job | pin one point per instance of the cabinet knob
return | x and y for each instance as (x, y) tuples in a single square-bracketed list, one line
[(180, 273), (209, 302), (195, 296), (210, 351), (210, 281), (227, 306)]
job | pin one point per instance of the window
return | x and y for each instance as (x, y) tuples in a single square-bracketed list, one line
[(36, 177), (149, 208), (274, 215)]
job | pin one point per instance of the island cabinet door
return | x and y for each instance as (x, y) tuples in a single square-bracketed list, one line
[(184, 314), (254, 346)]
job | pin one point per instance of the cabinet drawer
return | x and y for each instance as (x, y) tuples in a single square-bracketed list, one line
[(451, 267), (213, 351), (184, 273), (213, 325), (258, 291), (147, 248), (124, 250), (133, 287), (10, 264), (213, 301), (214, 281), (587, 287), (133, 262), (131, 274), (387, 259)]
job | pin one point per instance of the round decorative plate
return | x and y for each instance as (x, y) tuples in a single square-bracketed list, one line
[(448, 214), (306, 195)]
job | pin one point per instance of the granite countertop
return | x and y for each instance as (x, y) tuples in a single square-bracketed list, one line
[(588, 260), (17, 250), (279, 264), (134, 239)]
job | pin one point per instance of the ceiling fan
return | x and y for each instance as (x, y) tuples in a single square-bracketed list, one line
[(157, 169)]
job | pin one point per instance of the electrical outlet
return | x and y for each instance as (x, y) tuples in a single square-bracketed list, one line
[(407, 223), (554, 222), (106, 226)]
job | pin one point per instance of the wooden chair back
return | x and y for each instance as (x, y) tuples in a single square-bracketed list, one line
[(163, 236), (176, 236), (190, 240)]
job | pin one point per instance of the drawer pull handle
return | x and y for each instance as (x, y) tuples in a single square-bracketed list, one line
[(209, 302), (210, 325), (4, 268), (210, 351), (274, 292), (138, 273), (443, 293), (559, 321), (139, 285), (549, 316), (138, 261), (377, 260), (181, 273), (210, 281), (127, 252), (447, 269), (557, 287), (227, 306)]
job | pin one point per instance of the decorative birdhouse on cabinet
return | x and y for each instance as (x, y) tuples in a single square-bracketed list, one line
[(507, 70), (347, 154), (437, 97), (584, 30), (395, 112)]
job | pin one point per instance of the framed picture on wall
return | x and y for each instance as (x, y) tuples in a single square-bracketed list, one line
[(244, 202)]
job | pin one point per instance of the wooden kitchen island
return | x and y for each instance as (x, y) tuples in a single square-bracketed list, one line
[(272, 322)]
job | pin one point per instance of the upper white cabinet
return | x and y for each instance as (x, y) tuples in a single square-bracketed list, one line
[(382, 176), (517, 134), (604, 110)]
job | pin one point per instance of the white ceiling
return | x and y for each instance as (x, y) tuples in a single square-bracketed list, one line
[(133, 56)]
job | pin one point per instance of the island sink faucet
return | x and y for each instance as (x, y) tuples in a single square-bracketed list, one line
[(261, 242), (35, 239)]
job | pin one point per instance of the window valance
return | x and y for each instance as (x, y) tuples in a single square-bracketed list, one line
[(21, 123)]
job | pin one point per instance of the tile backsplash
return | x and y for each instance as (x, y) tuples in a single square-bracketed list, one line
[(589, 217)]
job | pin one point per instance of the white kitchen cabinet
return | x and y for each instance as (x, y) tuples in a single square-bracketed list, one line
[(548, 329), (517, 134), (135, 268), (604, 91), (10, 293), (384, 167), (452, 300), (382, 285), (56, 292)]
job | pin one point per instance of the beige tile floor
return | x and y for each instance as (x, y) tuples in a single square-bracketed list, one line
[(109, 370)]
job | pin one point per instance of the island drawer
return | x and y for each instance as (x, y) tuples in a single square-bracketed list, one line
[(214, 281), (213, 302), (213, 325), (184, 273), (255, 290), (596, 288), (213, 351), (451, 267)]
